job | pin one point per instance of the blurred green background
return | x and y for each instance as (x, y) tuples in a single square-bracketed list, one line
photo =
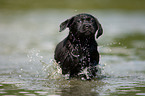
[(72, 4)]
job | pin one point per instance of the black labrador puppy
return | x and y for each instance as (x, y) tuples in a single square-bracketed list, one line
[(78, 51)]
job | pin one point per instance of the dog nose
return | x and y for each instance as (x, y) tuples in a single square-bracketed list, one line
[(87, 26)]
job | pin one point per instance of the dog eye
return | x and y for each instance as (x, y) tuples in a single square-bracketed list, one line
[(92, 20), (79, 21), (88, 19)]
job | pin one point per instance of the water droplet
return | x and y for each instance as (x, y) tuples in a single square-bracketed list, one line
[(125, 46), (37, 54), (41, 56), (20, 76), (110, 50)]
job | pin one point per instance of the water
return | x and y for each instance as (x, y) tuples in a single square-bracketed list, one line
[(28, 40)]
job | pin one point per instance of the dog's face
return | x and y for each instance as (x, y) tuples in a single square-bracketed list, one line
[(83, 25)]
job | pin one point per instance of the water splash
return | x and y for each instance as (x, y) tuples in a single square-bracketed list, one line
[(48, 68), (52, 69), (42, 68), (34, 55), (32, 67)]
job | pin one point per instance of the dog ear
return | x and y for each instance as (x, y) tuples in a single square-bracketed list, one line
[(66, 24), (100, 29)]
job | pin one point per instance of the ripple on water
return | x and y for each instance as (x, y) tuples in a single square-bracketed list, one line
[(143, 94)]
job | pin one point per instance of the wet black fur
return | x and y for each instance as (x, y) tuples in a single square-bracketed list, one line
[(79, 49)]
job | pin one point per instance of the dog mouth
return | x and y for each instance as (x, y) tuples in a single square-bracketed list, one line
[(86, 30)]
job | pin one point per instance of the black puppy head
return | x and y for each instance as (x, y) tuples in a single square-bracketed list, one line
[(83, 24)]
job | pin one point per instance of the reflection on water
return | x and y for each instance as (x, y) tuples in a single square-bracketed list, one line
[(28, 40)]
